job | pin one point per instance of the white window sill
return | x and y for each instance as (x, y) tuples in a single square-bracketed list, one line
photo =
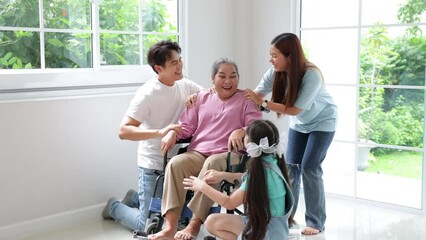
[(51, 84)]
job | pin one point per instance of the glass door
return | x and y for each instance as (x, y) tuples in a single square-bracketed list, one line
[(374, 63)]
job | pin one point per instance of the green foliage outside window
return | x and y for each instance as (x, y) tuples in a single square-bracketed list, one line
[(68, 35), (391, 115)]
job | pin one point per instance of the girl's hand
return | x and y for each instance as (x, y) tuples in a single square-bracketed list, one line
[(191, 100), (213, 176), (193, 183), (248, 93)]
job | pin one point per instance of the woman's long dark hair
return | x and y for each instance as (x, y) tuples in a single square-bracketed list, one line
[(256, 199), (283, 91)]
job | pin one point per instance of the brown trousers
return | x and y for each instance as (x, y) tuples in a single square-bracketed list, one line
[(188, 164)]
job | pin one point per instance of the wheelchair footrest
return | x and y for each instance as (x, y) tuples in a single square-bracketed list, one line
[(140, 234)]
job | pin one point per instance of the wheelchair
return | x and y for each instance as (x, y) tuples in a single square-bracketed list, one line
[(156, 220)]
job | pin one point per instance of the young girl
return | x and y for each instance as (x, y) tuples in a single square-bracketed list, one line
[(264, 191)]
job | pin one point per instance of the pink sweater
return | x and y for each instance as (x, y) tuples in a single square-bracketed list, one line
[(211, 121)]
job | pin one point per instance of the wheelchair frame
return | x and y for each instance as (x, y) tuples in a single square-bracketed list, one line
[(156, 224)]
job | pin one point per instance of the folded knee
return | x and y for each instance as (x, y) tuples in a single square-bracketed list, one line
[(210, 223)]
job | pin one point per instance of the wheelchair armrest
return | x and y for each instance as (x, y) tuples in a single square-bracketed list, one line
[(185, 140), (241, 166), (178, 148), (182, 145)]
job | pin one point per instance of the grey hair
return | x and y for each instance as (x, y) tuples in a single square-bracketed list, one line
[(223, 60)]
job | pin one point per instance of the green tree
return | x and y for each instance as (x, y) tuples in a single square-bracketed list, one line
[(21, 49), (390, 115), (411, 12)]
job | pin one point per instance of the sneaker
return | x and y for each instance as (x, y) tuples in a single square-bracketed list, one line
[(128, 199), (105, 212)]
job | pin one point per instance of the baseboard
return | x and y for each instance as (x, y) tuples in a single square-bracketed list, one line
[(45, 224)]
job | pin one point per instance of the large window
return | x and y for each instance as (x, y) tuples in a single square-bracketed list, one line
[(373, 57), (79, 36), (81, 33)]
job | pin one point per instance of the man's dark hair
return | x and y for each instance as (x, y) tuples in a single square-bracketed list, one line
[(160, 52)]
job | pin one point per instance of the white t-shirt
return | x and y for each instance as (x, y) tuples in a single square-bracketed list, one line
[(155, 106)]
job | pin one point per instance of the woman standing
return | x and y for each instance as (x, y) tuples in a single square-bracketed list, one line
[(298, 90)]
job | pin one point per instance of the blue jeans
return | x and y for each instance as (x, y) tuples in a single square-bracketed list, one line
[(305, 154), (135, 218)]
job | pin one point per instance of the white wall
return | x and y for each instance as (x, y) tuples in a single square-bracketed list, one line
[(239, 29), (63, 155), (210, 36), (268, 19)]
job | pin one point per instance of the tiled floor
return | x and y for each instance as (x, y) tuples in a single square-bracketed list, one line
[(346, 220)]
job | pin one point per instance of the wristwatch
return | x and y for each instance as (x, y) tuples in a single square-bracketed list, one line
[(263, 106)]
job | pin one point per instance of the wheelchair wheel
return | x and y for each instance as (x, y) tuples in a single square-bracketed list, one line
[(209, 238), (152, 228)]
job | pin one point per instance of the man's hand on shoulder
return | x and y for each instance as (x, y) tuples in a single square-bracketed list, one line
[(191, 100)]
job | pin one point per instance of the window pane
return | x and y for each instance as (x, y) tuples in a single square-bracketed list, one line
[(159, 16), (391, 116), (389, 167), (365, 52), (19, 49), (345, 99), (65, 50), (339, 170), (393, 56), (329, 13), (66, 14), (19, 13), (392, 11), (149, 40), (119, 49), (335, 52), (119, 15)]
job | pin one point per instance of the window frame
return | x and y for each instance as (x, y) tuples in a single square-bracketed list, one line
[(298, 29)]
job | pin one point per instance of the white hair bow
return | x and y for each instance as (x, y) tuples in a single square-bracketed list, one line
[(255, 150)]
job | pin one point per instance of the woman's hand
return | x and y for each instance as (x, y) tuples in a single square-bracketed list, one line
[(235, 140), (193, 183), (248, 93), (213, 176)]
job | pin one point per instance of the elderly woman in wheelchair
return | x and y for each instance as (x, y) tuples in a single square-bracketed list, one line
[(217, 123)]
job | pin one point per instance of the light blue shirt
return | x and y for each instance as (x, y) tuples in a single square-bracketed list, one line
[(319, 112)]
